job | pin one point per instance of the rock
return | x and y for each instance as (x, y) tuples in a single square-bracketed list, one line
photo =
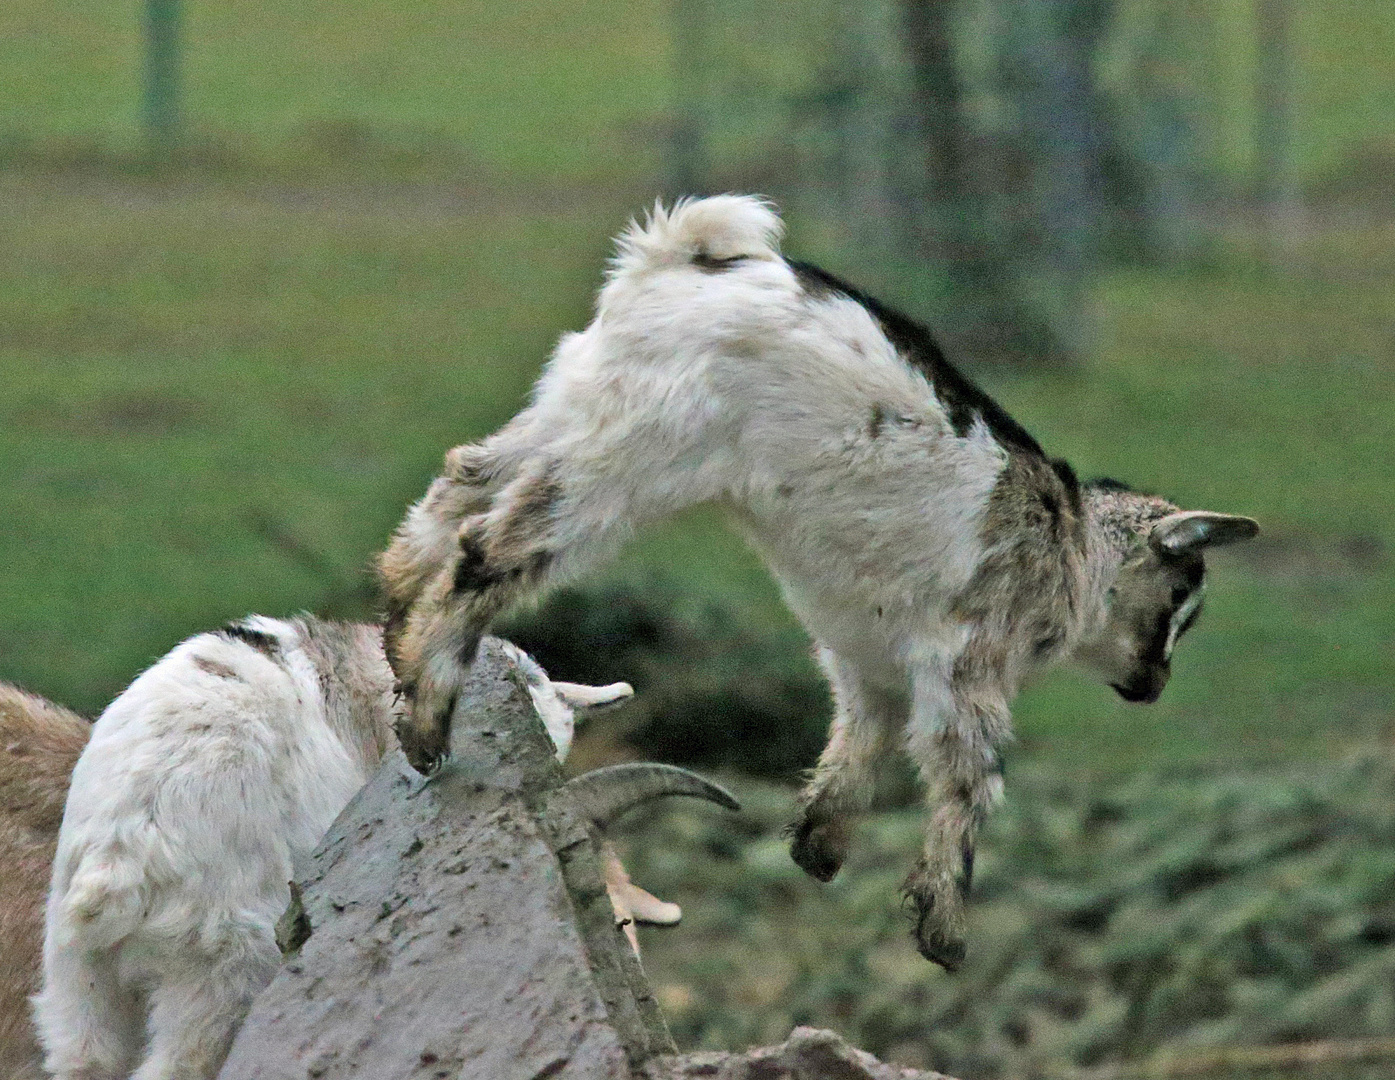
[(808, 1054), (447, 937)]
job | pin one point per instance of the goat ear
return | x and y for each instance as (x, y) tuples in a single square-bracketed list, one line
[(1192, 530), (580, 696)]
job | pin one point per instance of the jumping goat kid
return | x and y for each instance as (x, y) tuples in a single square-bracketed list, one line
[(203, 789), (935, 553)]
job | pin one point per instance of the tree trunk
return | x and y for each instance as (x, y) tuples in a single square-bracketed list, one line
[(991, 320), (1056, 42)]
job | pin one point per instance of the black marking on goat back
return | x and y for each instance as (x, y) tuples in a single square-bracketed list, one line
[(961, 397), (712, 264), (264, 643), (1069, 480), (1108, 483)]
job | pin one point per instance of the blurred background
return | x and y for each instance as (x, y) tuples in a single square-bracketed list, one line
[(261, 264)]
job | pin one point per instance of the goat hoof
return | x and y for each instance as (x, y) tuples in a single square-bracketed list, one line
[(426, 743), (819, 848), (938, 949), (938, 929)]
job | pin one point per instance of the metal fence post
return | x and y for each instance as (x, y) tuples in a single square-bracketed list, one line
[(1280, 195), (687, 150), (161, 105)]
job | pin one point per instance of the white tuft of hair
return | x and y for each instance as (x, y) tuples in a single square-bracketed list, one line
[(722, 228)]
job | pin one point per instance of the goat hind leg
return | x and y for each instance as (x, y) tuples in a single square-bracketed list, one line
[(90, 1026), (196, 1011)]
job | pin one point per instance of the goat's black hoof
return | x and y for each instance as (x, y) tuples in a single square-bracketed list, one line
[(939, 950), (426, 746), (819, 848), (938, 936)]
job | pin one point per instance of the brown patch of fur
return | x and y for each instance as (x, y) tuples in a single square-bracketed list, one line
[(213, 667), (39, 744), (356, 683), (523, 528), (472, 464), (410, 561), (26, 862)]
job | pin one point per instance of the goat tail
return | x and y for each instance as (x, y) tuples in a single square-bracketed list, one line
[(104, 900), (711, 234)]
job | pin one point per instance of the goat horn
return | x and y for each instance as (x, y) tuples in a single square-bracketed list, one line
[(605, 794)]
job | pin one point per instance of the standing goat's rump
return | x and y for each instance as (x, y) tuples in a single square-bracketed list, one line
[(39, 745), (935, 553)]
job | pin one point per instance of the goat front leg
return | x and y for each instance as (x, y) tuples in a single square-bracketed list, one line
[(494, 558), (429, 537), (957, 723), (842, 784)]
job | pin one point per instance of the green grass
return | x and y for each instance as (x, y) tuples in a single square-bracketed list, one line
[(567, 90), (556, 90), (219, 399), (178, 366)]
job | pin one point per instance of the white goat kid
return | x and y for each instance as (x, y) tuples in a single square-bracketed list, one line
[(202, 789), (922, 536)]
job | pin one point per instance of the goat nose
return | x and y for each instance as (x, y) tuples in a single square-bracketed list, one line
[(1144, 690)]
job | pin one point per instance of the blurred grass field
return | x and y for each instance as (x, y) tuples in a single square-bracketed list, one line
[(219, 388), (568, 90), (217, 399)]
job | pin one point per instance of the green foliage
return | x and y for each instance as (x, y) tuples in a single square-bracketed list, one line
[(1171, 912)]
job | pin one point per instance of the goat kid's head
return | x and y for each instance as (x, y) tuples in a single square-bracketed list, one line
[(1157, 593)]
